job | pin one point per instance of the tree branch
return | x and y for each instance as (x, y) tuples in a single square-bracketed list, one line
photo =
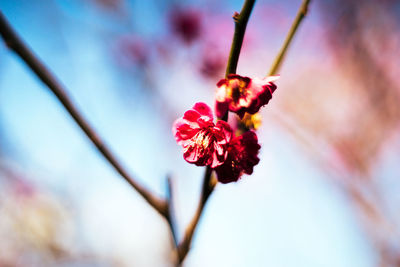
[(13, 41), (240, 29), (170, 211), (301, 13), (207, 189)]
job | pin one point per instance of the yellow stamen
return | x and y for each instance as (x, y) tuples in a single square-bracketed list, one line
[(236, 88), (251, 121)]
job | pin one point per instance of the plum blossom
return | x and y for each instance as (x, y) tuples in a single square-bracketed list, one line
[(241, 94), (204, 143), (186, 24), (242, 157)]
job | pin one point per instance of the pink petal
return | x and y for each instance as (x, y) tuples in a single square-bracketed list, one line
[(191, 115), (219, 155), (255, 88), (183, 130), (218, 149), (204, 110), (191, 155), (222, 82), (216, 162), (220, 95), (271, 87), (226, 131)]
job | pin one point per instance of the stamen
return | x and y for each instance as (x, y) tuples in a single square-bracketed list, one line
[(236, 88)]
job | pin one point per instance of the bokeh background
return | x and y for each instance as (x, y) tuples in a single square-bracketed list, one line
[(327, 189)]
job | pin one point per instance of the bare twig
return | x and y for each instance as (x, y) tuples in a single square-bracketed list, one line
[(301, 13), (207, 189), (240, 29), (16, 44), (170, 209)]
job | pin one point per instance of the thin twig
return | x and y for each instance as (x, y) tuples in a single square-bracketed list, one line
[(170, 207), (15, 43), (240, 29), (207, 189), (209, 183), (301, 13)]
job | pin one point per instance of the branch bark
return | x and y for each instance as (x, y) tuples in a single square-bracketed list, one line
[(170, 212), (207, 189), (301, 13), (241, 20), (14, 42)]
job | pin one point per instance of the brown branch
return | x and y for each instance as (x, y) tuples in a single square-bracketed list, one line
[(15, 43), (208, 186), (240, 29), (208, 182), (170, 212), (301, 13)]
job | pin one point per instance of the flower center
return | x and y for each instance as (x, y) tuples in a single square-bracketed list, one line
[(236, 89), (203, 139)]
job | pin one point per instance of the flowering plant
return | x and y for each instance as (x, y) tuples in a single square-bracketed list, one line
[(207, 144)]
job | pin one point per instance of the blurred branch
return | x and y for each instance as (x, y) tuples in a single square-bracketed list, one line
[(207, 189), (170, 211), (209, 183), (301, 13), (13, 41)]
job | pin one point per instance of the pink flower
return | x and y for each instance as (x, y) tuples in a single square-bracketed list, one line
[(204, 143), (186, 24), (241, 94), (242, 157)]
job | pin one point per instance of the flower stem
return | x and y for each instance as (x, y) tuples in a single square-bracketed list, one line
[(301, 13), (14, 42)]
